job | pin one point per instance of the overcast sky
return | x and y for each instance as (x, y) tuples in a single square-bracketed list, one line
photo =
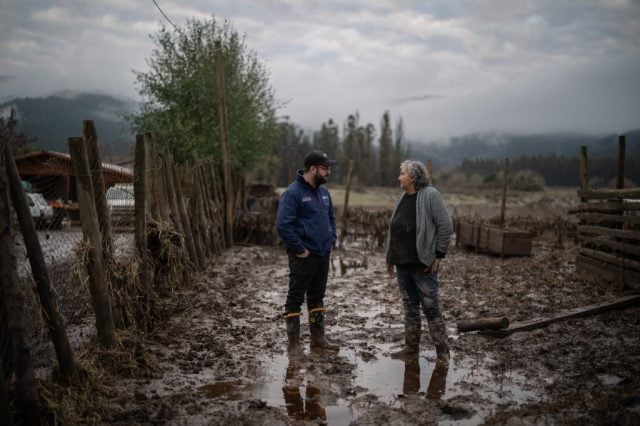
[(447, 67)]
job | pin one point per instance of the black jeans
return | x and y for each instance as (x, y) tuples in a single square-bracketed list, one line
[(307, 277)]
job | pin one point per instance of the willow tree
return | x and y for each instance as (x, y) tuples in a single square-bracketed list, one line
[(180, 96)]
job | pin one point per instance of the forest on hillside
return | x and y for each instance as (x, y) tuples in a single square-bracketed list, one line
[(376, 149), (471, 160)]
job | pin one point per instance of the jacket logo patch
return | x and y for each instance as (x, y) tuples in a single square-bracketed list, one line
[(306, 199)]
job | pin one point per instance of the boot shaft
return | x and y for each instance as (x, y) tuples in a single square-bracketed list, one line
[(293, 324), (316, 318), (316, 330), (438, 330)]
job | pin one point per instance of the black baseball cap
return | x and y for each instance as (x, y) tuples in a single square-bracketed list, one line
[(318, 158)]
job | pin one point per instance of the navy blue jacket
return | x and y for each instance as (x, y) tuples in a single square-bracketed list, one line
[(305, 218)]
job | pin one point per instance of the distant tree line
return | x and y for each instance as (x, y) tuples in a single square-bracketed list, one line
[(559, 170), (376, 153)]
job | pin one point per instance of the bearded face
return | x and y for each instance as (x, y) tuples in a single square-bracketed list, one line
[(320, 177)]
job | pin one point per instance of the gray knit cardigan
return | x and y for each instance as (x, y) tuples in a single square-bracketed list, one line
[(433, 224)]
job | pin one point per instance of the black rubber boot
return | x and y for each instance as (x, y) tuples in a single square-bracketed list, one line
[(411, 341), (316, 330), (438, 330), (293, 333)]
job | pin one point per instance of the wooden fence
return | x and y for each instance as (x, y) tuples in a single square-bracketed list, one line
[(609, 230), (180, 226)]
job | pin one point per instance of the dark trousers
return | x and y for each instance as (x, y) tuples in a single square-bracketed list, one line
[(419, 289), (307, 277)]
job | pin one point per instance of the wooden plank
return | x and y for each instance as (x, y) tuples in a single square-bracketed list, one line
[(609, 218), (465, 234), (601, 230), (626, 276), (495, 240), (605, 194), (483, 237), (517, 246), (620, 303), (604, 207), (622, 248), (610, 258)]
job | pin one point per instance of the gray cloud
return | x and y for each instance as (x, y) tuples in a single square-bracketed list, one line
[(504, 65)]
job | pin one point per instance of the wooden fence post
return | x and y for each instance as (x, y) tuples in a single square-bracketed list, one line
[(47, 297), (430, 171), (505, 175), (196, 257), (159, 203), (345, 207), (97, 178), (5, 406), (98, 286), (224, 145), (584, 173), (197, 203), (12, 313), (218, 211), (197, 222), (167, 161), (140, 170), (621, 158)]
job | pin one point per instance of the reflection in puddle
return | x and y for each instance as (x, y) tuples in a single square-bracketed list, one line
[(230, 390), (289, 385), (437, 383), (299, 408)]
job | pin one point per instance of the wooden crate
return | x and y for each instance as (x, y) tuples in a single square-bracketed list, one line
[(506, 242), (467, 234), (495, 240)]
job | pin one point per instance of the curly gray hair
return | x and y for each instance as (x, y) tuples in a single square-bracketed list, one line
[(417, 172)]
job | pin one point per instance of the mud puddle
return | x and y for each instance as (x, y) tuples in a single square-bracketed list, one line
[(288, 384), (224, 360)]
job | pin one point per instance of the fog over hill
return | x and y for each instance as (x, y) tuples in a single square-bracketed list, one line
[(500, 146), (53, 119)]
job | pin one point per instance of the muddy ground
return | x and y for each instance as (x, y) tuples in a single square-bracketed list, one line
[(220, 355), (222, 359)]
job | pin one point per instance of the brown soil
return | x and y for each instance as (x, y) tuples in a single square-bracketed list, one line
[(220, 355), (223, 360)]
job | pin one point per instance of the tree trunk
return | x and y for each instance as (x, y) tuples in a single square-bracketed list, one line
[(224, 146)]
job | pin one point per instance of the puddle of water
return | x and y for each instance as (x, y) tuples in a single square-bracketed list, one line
[(389, 380)]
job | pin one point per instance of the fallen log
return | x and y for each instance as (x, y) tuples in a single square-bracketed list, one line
[(474, 324), (621, 302)]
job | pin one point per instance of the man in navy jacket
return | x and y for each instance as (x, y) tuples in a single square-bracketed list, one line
[(306, 223)]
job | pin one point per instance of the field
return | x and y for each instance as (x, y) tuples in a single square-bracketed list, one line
[(220, 357)]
